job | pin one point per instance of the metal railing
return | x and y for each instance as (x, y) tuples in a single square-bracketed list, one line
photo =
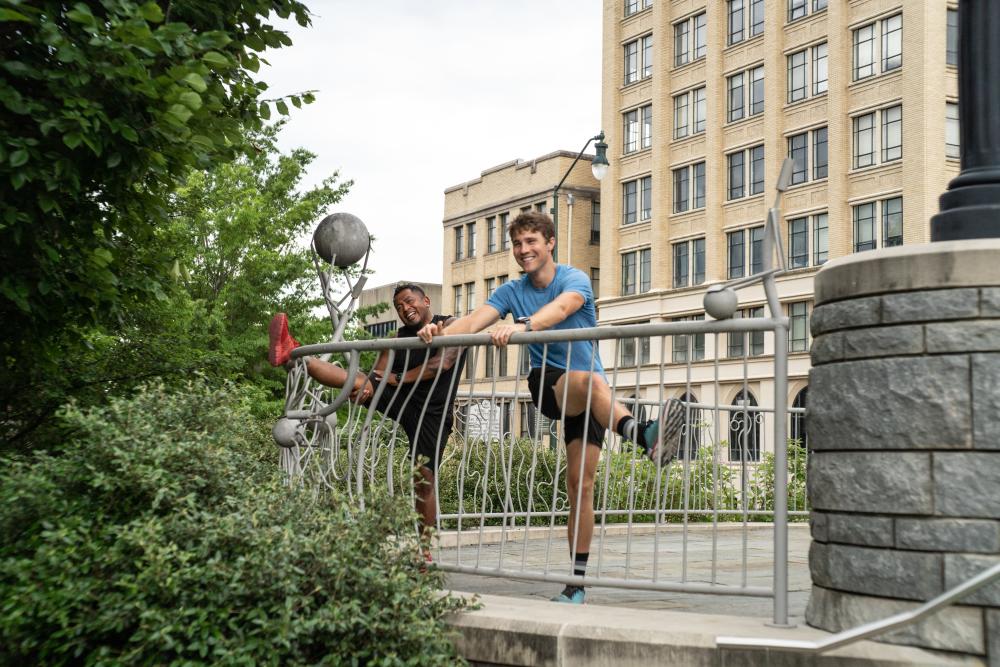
[(503, 504)]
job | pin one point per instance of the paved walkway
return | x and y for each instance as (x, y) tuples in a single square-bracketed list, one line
[(668, 543)]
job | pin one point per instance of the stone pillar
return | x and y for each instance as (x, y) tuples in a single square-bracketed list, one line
[(904, 428)]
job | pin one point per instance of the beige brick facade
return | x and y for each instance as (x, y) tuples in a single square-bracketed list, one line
[(921, 86)]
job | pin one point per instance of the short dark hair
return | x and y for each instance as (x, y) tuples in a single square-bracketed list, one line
[(408, 286), (533, 221)]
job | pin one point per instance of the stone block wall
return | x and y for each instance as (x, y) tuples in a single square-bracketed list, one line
[(904, 428)]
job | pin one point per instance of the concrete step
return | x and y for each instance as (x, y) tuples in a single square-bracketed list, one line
[(514, 631)]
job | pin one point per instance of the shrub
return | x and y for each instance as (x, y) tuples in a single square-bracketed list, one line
[(162, 534)]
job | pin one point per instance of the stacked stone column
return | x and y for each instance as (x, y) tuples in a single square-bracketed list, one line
[(904, 433)]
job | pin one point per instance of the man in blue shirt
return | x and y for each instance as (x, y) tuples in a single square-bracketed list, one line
[(564, 375)]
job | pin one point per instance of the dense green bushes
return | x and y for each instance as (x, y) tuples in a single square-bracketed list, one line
[(162, 534)]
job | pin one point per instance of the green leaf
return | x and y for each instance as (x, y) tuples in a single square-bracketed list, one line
[(191, 100), (18, 179), (265, 111), (296, 101), (282, 107), (81, 14), (114, 160), (11, 15), (179, 112), (308, 98), (196, 82), (18, 157), (72, 139), (151, 12), (202, 140), (129, 133), (17, 68), (217, 59)]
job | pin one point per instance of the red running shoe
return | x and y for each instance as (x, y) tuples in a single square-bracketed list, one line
[(280, 349)]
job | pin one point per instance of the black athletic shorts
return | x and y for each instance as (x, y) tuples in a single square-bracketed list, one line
[(434, 429), (542, 390)]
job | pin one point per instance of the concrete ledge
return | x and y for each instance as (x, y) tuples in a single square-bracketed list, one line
[(510, 631), (910, 268)]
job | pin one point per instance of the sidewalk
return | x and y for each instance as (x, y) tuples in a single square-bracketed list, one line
[(668, 543)]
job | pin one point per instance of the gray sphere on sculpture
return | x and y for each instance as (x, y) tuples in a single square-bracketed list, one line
[(342, 239), (285, 432), (721, 302)]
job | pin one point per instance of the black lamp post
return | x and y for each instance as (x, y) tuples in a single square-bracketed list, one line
[(970, 209), (598, 166)]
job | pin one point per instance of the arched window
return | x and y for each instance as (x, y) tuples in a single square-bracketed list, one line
[(691, 435), (744, 429), (797, 426)]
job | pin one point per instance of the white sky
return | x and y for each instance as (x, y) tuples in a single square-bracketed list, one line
[(416, 96)]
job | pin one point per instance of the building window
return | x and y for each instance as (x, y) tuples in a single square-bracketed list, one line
[(869, 144), (797, 420), (639, 59), (736, 21), (689, 113), (540, 207), (501, 280), (698, 253), (459, 243), (736, 254), (756, 250), (458, 301), (821, 238), (873, 55), (892, 133), (798, 243), (491, 234), (951, 41), (737, 174), (491, 287), (746, 19), (637, 198), (689, 262), (798, 151), (681, 268), (800, 8), (687, 347), (798, 240), (472, 240), (634, 351), (798, 326), (799, 72), (819, 69), (638, 134), (952, 140), (866, 231), (689, 187), (634, 6), (746, 166), (738, 341), (689, 40), (595, 222), (636, 266), (744, 427), (505, 231), (745, 94), (470, 297), (595, 280)]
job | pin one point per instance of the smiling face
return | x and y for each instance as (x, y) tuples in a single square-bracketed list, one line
[(412, 307), (531, 251)]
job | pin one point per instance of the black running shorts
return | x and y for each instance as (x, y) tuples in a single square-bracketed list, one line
[(542, 390), (430, 434)]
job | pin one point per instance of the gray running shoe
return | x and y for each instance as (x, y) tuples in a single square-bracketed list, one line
[(662, 436)]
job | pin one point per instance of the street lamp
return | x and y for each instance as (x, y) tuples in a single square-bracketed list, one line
[(970, 209), (598, 166)]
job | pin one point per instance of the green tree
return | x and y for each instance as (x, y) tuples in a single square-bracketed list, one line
[(105, 107), (232, 236)]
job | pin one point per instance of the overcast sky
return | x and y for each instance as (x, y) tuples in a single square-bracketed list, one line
[(416, 96)]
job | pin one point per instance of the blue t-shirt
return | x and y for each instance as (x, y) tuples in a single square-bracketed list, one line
[(523, 299)]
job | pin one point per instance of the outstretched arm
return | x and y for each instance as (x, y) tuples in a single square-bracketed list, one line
[(544, 318), (474, 322)]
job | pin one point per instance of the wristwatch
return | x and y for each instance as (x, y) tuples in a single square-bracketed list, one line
[(526, 321), (399, 378)]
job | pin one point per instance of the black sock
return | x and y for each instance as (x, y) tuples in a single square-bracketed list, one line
[(579, 569), (626, 428)]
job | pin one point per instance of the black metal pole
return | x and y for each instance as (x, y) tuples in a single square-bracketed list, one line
[(970, 209)]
